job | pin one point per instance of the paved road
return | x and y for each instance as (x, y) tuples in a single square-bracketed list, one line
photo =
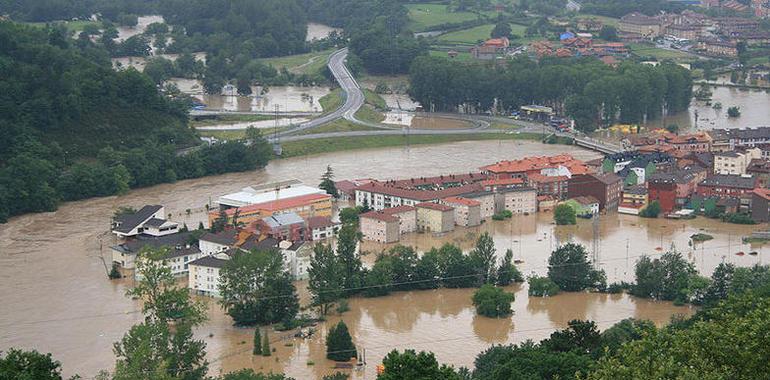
[(354, 97)]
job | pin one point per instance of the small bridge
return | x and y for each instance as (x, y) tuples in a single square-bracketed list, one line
[(599, 146)]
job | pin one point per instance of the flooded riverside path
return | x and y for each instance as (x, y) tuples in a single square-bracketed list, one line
[(57, 298)]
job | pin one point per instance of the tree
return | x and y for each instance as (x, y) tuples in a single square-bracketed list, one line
[(569, 269), (325, 277), (580, 336), (114, 272), (651, 210), (327, 183), (256, 290), (347, 252), (484, 258), (529, 361), (508, 273), (492, 302), (266, 345), (219, 224), (667, 278), (257, 350), (164, 301), (458, 270), (153, 349), (608, 33), (339, 344), (625, 331), (542, 287), (379, 279), (712, 346), (336, 376), (734, 111), (563, 214), (427, 271), (412, 365), (22, 365), (403, 261), (501, 29), (349, 215)]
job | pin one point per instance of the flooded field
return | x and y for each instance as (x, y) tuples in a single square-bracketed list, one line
[(287, 98), (317, 31), (754, 106), (126, 32), (57, 298)]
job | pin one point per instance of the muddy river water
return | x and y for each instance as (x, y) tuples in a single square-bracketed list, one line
[(56, 297)]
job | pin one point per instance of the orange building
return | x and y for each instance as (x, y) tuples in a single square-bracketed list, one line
[(305, 206), (546, 165)]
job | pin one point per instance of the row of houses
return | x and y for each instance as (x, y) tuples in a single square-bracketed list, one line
[(284, 216), (438, 204)]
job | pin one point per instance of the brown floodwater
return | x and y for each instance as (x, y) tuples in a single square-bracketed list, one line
[(57, 298)]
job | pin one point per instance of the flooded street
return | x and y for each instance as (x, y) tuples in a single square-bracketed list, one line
[(57, 298)]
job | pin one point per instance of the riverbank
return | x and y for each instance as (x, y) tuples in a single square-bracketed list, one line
[(339, 144)]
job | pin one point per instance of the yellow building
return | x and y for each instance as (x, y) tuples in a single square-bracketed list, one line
[(434, 217)]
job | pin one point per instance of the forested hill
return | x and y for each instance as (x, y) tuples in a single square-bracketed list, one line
[(56, 94), (73, 128)]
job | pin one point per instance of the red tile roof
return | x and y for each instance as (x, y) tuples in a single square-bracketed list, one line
[(398, 209), (379, 215), (764, 193), (539, 178), (434, 206), (532, 164), (462, 201), (319, 222), (502, 182)]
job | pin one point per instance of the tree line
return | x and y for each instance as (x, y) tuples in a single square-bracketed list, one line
[(585, 89), (74, 128)]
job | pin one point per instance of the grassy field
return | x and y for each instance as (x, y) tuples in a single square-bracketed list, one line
[(237, 135), (461, 55), (308, 63), (645, 50), (423, 16), (375, 100), (604, 19), (339, 125), (476, 34), (229, 119), (331, 101), (370, 114), (468, 36), (302, 148)]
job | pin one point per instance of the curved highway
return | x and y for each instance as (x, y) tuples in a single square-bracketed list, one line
[(354, 100)]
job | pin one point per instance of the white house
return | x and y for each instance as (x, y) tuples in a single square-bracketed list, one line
[(204, 274), (321, 227), (129, 225), (180, 251), (213, 243), (160, 227)]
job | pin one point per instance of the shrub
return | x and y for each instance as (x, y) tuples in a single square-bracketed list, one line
[(542, 287), (493, 302), (651, 211), (339, 344), (563, 214)]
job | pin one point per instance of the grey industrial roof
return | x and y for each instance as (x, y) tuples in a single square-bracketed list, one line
[(278, 220)]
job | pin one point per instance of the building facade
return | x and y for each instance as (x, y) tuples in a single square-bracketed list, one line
[(434, 217), (604, 187), (467, 211)]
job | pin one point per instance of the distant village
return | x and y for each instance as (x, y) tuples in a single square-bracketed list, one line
[(689, 31), (683, 174)]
